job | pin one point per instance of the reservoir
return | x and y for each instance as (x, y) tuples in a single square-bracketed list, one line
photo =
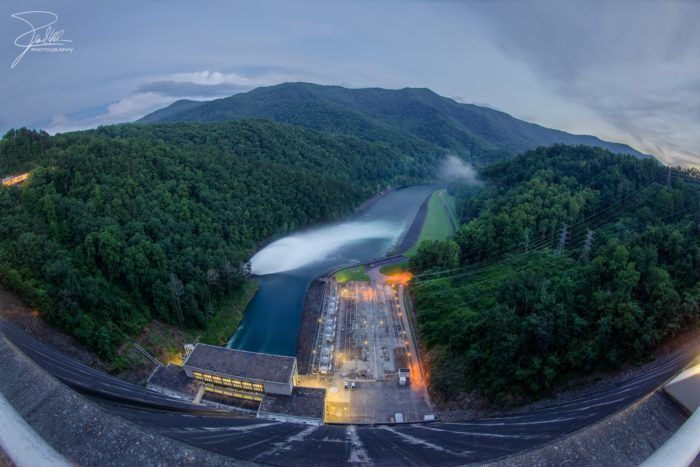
[(287, 266)]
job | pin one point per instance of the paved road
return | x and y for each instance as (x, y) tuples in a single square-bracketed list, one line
[(292, 444), (87, 380)]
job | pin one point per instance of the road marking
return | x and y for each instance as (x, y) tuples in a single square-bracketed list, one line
[(475, 433), (421, 442), (358, 454)]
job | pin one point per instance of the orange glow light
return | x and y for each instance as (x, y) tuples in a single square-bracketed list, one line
[(402, 278)]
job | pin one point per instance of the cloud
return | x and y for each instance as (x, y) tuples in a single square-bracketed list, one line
[(125, 110), (634, 64), (207, 83), (159, 92), (180, 89), (455, 169), (210, 84)]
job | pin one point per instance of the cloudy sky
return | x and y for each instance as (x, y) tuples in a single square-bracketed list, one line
[(623, 71)]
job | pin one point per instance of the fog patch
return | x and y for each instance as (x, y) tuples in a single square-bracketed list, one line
[(454, 169), (299, 250)]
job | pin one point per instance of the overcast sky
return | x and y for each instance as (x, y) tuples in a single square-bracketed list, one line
[(623, 71)]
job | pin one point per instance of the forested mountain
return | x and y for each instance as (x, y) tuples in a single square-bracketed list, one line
[(124, 224), (478, 134), (164, 113), (518, 303)]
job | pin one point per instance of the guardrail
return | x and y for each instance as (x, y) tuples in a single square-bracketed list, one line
[(681, 449)]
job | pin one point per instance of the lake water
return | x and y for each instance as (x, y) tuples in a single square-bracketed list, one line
[(287, 267)]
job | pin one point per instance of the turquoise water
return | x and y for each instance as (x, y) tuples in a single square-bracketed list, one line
[(271, 321)]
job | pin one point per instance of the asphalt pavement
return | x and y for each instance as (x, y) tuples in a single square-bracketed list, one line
[(280, 443)]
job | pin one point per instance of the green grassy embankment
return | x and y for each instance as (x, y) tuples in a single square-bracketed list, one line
[(437, 225), (395, 268), (356, 273)]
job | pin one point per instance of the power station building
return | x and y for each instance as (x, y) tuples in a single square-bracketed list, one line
[(241, 374), (241, 380)]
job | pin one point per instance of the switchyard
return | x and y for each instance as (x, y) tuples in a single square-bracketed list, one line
[(365, 357)]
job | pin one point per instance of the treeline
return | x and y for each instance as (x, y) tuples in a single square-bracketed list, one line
[(525, 304), (124, 224), (22, 150)]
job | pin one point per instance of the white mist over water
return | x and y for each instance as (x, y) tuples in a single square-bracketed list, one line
[(302, 249), (453, 168)]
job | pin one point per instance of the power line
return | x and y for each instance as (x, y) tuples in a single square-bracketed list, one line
[(562, 239), (506, 258), (488, 265), (598, 217), (587, 246)]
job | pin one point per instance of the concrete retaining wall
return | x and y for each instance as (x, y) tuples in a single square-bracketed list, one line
[(624, 439), (81, 430)]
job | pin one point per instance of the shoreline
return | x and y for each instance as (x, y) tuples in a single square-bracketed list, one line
[(300, 348), (368, 203), (308, 323), (233, 309), (412, 233)]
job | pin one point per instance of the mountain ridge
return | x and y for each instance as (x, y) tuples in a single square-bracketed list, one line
[(397, 116)]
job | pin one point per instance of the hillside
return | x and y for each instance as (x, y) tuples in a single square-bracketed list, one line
[(124, 224), (164, 113), (522, 308), (478, 134)]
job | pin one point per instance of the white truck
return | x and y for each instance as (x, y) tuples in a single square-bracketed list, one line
[(404, 376)]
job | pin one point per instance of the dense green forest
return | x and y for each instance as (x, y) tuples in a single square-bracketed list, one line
[(127, 223), (517, 303), (123, 224), (404, 118)]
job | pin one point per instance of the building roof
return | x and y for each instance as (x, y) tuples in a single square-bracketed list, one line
[(241, 363), (304, 402)]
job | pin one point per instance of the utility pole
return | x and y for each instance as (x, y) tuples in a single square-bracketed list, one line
[(176, 291), (562, 239), (526, 236), (587, 243), (668, 177)]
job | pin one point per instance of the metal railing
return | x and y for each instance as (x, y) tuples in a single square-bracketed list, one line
[(681, 449)]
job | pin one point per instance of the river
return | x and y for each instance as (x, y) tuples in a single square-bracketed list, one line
[(287, 266)]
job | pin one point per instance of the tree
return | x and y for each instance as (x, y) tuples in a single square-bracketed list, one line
[(435, 254)]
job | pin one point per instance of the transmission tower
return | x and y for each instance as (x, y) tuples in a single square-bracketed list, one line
[(526, 238), (587, 243), (562, 239)]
